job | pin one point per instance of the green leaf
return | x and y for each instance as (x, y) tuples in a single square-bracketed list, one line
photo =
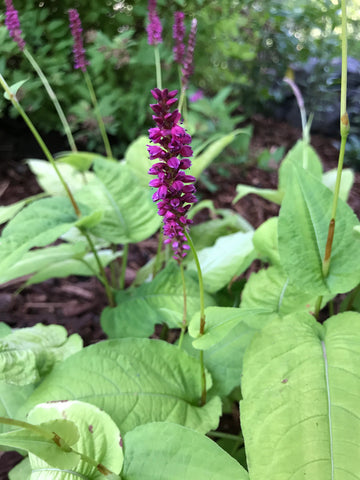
[(9, 211), (21, 471), (14, 88), (302, 155), (347, 181), (266, 242), (129, 214), (224, 346), (29, 353), (282, 296), (48, 179), (85, 266), (82, 161), (158, 301), (184, 454), (275, 196), (135, 381), (98, 438), (137, 159), (303, 229), (40, 223), (12, 397), (44, 448), (228, 258), (203, 160), (301, 403), (4, 329)]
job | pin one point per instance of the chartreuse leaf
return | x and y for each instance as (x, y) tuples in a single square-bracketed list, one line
[(303, 228), (43, 447), (81, 161), (184, 454), (301, 399), (21, 471), (159, 301), (265, 241), (303, 155), (203, 160), (272, 195), (98, 438), (49, 181), (228, 258), (9, 211), (282, 296), (37, 225), (12, 397), (135, 381), (137, 159), (4, 329), (14, 88), (129, 214), (29, 353), (228, 332), (347, 181)]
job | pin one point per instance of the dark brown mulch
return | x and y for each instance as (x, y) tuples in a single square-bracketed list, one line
[(76, 303)]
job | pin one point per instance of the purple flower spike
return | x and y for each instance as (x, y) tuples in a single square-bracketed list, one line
[(188, 67), (178, 36), (175, 189), (76, 32), (154, 28), (13, 24)]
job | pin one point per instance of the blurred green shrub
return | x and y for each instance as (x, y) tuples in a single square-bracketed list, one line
[(246, 44)]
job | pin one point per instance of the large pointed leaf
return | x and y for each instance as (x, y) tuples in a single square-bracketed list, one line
[(135, 381), (301, 399), (266, 242), (347, 180), (159, 301), (99, 439), (228, 258), (137, 159), (29, 353), (37, 225), (129, 213), (9, 211), (303, 228), (184, 454), (12, 397)]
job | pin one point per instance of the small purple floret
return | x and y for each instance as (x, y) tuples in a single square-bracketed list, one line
[(154, 28), (13, 24), (76, 32), (175, 188)]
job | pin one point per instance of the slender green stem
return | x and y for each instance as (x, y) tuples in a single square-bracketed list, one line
[(40, 142), (344, 131), (98, 115), (53, 98), (34, 428), (108, 289), (184, 322), (227, 436), (157, 261), (158, 67), (202, 317), (318, 306), (123, 266)]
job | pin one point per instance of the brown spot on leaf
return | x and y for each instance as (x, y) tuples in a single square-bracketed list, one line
[(91, 429), (285, 380)]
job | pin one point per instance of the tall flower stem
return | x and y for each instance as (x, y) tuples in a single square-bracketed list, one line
[(202, 316), (40, 141), (184, 322), (108, 289), (123, 266), (53, 98), (344, 132), (98, 115), (158, 67)]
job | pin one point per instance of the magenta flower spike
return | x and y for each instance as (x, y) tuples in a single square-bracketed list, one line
[(13, 24), (188, 67), (76, 32), (175, 189), (178, 36), (154, 28)]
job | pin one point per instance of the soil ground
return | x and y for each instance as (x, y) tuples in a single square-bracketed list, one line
[(76, 302)]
